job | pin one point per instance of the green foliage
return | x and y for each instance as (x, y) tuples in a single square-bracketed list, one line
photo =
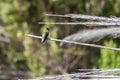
[(109, 58)]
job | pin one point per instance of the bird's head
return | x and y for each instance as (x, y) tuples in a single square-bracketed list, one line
[(47, 29)]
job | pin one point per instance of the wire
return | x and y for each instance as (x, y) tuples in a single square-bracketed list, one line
[(82, 75), (88, 17), (84, 23), (78, 43)]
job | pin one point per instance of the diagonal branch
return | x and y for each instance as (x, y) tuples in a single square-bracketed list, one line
[(92, 36)]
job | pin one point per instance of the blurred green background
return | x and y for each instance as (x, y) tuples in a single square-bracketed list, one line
[(19, 17)]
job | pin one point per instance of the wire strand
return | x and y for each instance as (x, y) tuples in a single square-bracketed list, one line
[(84, 23), (88, 17), (78, 43)]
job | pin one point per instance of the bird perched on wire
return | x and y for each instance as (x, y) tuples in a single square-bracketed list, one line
[(45, 35)]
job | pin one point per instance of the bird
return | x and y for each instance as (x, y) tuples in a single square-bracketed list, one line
[(45, 35)]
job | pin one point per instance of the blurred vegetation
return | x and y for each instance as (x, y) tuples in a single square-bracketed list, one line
[(109, 58), (19, 17)]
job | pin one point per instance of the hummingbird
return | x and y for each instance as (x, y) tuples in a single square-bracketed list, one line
[(45, 35)]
